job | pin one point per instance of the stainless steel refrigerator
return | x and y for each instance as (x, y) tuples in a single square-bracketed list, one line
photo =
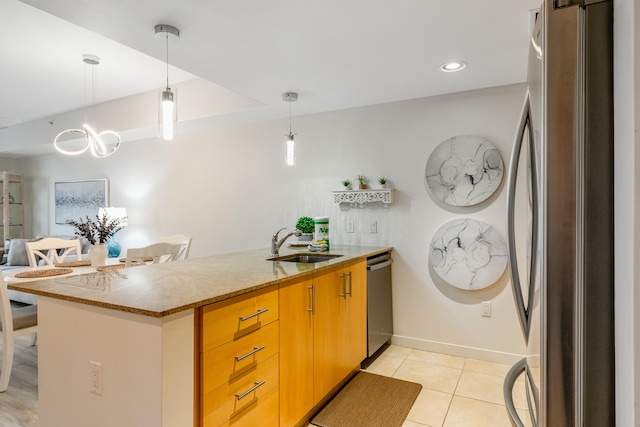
[(560, 222)]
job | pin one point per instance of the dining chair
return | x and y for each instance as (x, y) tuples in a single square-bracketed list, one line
[(179, 239), (154, 254), (14, 322), (52, 250)]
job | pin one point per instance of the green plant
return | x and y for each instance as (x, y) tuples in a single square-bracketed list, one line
[(305, 224), (382, 180), (362, 179), (346, 183), (100, 230)]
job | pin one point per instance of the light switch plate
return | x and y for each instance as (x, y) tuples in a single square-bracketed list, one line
[(373, 227)]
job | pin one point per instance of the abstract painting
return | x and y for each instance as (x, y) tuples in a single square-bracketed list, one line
[(77, 199)]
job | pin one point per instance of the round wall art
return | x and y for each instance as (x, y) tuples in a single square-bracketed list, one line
[(468, 254), (464, 170)]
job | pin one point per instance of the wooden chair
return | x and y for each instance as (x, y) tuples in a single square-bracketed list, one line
[(13, 323), (155, 253), (52, 250), (179, 239)]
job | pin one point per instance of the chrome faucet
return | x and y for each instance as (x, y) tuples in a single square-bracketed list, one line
[(275, 243)]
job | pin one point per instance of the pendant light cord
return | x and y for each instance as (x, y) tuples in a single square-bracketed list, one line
[(289, 117), (167, 61)]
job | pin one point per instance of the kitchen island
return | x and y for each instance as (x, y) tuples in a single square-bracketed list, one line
[(139, 330)]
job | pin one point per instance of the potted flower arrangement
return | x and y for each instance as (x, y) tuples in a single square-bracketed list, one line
[(307, 226), (97, 232), (346, 184), (362, 182)]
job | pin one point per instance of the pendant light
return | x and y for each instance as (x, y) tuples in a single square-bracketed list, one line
[(290, 158), (167, 110), (99, 144)]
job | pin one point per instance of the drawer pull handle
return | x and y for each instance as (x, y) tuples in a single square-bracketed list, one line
[(313, 299), (257, 313), (257, 384), (344, 286), (252, 352)]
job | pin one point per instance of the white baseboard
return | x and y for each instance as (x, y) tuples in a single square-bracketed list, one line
[(457, 350)]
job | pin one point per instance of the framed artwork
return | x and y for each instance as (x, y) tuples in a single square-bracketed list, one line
[(468, 254), (464, 170), (77, 199)]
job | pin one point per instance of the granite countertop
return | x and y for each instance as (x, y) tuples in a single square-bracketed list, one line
[(160, 290)]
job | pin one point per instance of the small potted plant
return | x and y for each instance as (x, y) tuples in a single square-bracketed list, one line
[(362, 182), (346, 184), (97, 232), (383, 182), (307, 226)]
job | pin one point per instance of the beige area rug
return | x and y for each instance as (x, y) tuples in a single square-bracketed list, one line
[(369, 400)]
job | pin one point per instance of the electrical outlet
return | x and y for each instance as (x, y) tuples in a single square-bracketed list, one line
[(486, 308), (350, 226), (373, 227), (95, 377)]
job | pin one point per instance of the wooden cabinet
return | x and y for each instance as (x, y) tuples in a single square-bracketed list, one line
[(238, 368), (323, 331), (12, 221), (271, 357), (296, 350)]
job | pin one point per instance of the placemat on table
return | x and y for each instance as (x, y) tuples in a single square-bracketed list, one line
[(81, 263), (144, 259), (110, 267), (30, 274)]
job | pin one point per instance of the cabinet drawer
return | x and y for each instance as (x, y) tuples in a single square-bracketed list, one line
[(221, 364), (230, 319), (247, 391), (263, 413)]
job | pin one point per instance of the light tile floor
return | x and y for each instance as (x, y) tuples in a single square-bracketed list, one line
[(456, 391)]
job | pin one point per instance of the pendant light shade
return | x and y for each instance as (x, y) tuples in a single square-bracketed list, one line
[(290, 158), (76, 141), (168, 100), (168, 114)]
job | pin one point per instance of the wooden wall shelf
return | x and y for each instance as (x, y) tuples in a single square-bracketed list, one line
[(378, 195)]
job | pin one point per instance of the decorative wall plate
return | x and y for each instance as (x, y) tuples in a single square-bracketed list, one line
[(468, 254), (464, 170)]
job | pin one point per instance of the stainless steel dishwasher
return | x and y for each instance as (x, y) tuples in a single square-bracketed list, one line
[(379, 308)]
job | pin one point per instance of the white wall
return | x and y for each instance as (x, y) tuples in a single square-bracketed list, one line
[(230, 190)]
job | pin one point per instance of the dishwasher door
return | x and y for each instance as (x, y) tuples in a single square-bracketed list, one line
[(379, 307)]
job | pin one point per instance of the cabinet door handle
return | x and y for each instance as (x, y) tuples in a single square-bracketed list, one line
[(252, 352), (344, 286), (313, 299), (350, 293), (251, 390), (257, 313)]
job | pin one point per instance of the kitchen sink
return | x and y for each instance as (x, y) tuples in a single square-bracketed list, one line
[(305, 258)]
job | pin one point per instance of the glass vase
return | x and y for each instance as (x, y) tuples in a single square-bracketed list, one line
[(113, 247)]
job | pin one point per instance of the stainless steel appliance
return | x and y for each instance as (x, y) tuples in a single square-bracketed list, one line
[(561, 174), (379, 303)]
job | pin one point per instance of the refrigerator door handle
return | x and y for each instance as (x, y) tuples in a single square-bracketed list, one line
[(531, 393), (524, 311)]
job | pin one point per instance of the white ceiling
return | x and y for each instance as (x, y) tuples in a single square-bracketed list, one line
[(336, 54)]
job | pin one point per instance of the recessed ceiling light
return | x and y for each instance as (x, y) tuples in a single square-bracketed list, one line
[(452, 66)]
